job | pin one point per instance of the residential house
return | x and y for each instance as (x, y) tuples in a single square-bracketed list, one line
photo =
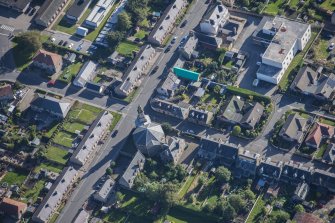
[(301, 192), (6, 93), (179, 110), (237, 111), (50, 62), (95, 87), (169, 86), (187, 49), (283, 39), (98, 13), (295, 173), (92, 138), (105, 192), (214, 19), (12, 208), (306, 218), (318, 133), (329, 155), (270, 170), (138, 68), (49, 11), (86, 74), (209, 42), (200, 117), (76, 10), (247, 163), (55, 195), (82, 217), (294, 128), (173, 150), (222, 152), (324, 178), (56, 107), (135, 166), (20, 6), (166, 22), (311, 82)]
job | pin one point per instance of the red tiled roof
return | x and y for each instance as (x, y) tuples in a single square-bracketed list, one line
[(306, 218), (12, 207), (6, 90), (48, 58), (319, 131)]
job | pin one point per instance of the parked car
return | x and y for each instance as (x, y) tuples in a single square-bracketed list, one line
[(32, 12), (65, 43), (52, 39), (115, 133), (154, 70), (174, 39), (331, 46), (168, 48), (61, 42), (183, 24), (70, 45)]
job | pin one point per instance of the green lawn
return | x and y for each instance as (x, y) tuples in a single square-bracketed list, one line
[(63, 139), (229, 64), (56, 154), (321, 151), (273, 7), (179, 216), (127, 48), (14, 178), (84, 113), (32, 194), (141, 34), (116, 119), (49, 167), (256, 211), (70, 72), (329, 5), (49, 133), (92, 35), (186, 186), (295, 63), (72, 127), (294, 3), (63, 26), (327, 121), (97, 79)]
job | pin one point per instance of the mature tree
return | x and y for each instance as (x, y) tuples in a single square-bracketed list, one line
[(299, 208), (114, 38), (119, 196), (245, 3), (170, 195), (202, 180), (237, 202), (249, 195), (278, 217), (109, 171), (124, 22), (139, 9), (228, 214), (29, 42), (217, 89), (222, 174), (209, 207), (167, 128), (236, 130), (221, 76), (153, 191)]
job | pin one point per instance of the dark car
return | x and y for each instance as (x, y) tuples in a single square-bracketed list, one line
[(168, 48), (183, 24), (65, 43), (28, 10), (115, 133), (61, 42), (154, 70)]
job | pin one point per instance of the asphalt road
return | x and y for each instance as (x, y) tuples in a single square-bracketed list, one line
[(113, 146)]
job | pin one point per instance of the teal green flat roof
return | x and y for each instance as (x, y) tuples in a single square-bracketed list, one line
[(187, 74)]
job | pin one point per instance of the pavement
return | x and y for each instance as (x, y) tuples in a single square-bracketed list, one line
[(114, 145)]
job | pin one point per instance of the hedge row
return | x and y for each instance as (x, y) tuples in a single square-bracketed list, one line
[(246, 93)]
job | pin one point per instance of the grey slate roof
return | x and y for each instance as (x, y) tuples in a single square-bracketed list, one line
[(169, 108), (295, 173), (93, 135), (233, 111), (78, 8), (55, 195), (253, 115), (270, 169), (52, 104), (18, 5), (308, 80), (149, 135), (329, 155), (46, 13), (106, 190), (134, 167), (294, 127)]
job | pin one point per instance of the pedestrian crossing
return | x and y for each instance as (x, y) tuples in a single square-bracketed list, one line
[(8, 28)]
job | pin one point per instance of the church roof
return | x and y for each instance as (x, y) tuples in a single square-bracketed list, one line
[(149, 135)]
